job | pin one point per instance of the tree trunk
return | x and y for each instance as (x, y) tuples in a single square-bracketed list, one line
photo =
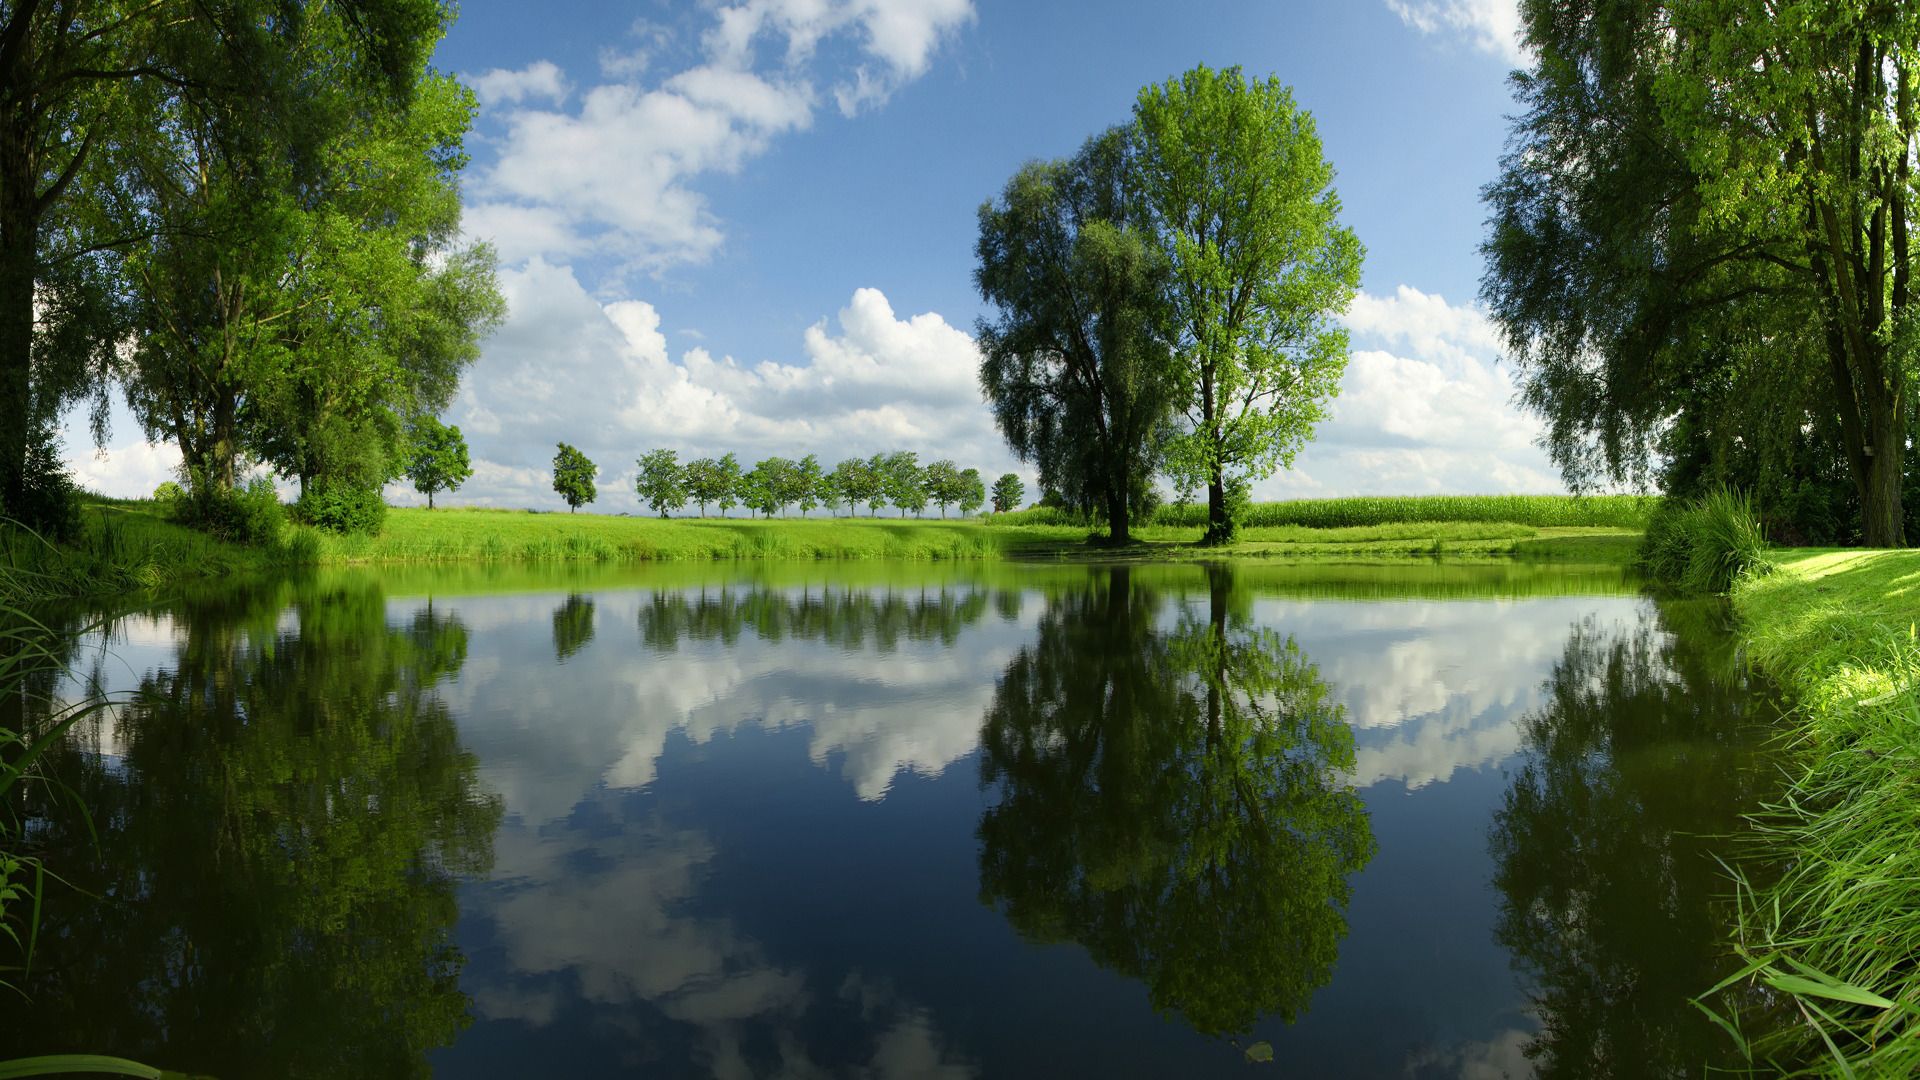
[(429, 500), (1219, 526), (19, 249), (1883, 518)]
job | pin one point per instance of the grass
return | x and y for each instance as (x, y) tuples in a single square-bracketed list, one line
[(1540, 511), (131, 545), (1830, 911)]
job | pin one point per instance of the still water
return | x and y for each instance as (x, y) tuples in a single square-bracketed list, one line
[(899, 821)]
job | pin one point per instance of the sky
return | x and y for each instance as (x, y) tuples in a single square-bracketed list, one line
[(748, 226)]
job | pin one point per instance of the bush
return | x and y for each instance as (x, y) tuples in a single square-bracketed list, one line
[(248, 514), (50, 504), (168, 492), (1705, 545), (344, 508)]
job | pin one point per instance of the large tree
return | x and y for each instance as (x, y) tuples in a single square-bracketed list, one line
[(1241, 198), (1706, 203), (79, 80), (1077, 361)]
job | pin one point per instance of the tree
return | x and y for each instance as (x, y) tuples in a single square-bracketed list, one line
[(662, 483), (572, 626), (1008, 493), (858, 482), (727, 483), (1077, 363), (703, 482), (904, 482), (809, 484), (1241, 197), (573, 477), (437, 458), (771, 486), (1704, 213), (973, 491), (943, 484), (76, 89)]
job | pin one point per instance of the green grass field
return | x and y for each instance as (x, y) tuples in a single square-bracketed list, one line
[(1541, 511), (1832, 881)]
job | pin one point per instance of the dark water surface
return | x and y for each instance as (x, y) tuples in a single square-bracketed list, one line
[(899, 821)]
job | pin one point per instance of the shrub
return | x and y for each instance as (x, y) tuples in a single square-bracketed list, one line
[(1705, 545), (248, 514), (168, 492), (49, 504), (344, 508)]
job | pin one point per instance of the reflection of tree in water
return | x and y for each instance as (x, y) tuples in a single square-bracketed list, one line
[(846, 617), (1177, 802), (278, 843), (572, 626), (1638, 759)]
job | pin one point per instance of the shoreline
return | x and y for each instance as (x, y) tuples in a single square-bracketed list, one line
[(1830, 924)]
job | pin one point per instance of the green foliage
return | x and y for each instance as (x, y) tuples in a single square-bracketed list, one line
[(943, 483), (437, 457), (1655, 297), (772, 486), (706, 483), (1705, 545), (662, 483), (726, 482), (1240, 196), (904, 481), (1008, 493), (248, 514), (573, 477), (972, 491), (1078, 363), (858, 481), (1825, 894), (341, 507), (809, 483), (46, 499), (168, 492)]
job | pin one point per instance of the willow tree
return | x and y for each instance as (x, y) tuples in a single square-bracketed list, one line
[(76, 80), (1707, 192), (1240, 197), (1077, 364)]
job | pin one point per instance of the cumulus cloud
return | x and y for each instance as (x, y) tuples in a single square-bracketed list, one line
[(1492, 26), (617, 175), (600, 375), (1425, 407), (541, 80)]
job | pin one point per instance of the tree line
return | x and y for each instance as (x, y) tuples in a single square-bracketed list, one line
[(1166, 300), (666, 484), (245, 215)]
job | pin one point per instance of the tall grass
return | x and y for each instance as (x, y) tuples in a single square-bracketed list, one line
[(1829, 918), (1705, 545)]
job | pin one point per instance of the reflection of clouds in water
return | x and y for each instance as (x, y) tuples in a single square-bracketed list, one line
[(603, 916), (1433, 687), (606, 717), (1503, 1057)]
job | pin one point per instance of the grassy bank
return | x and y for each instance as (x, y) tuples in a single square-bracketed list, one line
[(128, 545), (1539, 511), (1835, 925)]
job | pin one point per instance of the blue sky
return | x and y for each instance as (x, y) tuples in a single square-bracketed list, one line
[(749, 226)]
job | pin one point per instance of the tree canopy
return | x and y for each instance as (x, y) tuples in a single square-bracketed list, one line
[(436, 457), (573, 477), (1699, 246)]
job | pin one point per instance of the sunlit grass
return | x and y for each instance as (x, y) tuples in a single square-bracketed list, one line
[(1830, 890)]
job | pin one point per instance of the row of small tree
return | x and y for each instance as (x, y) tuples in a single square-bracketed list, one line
[(666, 485)]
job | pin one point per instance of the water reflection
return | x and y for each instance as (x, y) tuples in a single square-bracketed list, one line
[(1639, 759), (572, 626), (1175, 800), (279, 831), (847, 618)]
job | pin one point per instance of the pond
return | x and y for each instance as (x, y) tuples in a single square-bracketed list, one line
[(1409, 820)]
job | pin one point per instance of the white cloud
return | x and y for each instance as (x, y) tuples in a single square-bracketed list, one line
[(600, 376), (1491, 26), (130, 470), (541, 80), (617, 176), (1428, 408)]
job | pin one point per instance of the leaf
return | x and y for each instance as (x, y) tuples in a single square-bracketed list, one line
[(1260, 1053), (1826, 988)]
